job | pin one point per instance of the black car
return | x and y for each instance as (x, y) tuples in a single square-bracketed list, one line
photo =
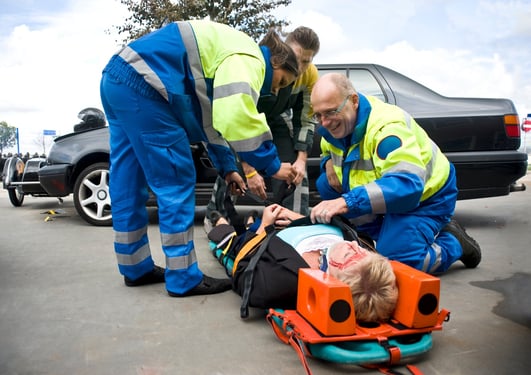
[(479, 136)]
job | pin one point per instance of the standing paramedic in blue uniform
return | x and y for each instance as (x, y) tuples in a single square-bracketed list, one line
[(188, 82), (380, 169)]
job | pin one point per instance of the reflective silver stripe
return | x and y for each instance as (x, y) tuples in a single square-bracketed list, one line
[(426, 263), (427, 260), (174, 239), (376, 198), (337, 160), (182, 262), (131, 259), (358, 165), (287, 116), (429, 166), (235, 88), (407, 117), (299, 192), (127, 238), (303, 132), (408, 168), (251, 144), (136, 61), (194, 60), (363, 165)]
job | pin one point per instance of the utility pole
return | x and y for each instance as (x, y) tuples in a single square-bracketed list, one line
[(18, 143)]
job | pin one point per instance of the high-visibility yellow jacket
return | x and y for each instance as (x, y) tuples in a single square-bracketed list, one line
[(388, 164), (222, 71)]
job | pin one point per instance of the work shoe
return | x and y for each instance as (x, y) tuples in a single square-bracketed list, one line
[(471, 250), (214, 217), (208, 285), (207, 225), (211, 219), (156, 275)]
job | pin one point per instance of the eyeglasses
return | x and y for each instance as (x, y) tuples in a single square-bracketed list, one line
[(330, 114)]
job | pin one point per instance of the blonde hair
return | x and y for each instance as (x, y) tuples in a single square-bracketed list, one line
[(372, 282)]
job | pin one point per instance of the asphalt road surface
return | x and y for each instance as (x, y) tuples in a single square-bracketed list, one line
[(65, 310)]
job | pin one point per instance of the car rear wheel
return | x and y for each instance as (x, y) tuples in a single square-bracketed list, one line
[(91, 195), (16, 197)]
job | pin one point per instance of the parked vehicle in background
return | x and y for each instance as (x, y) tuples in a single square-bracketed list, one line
[(481, 137)]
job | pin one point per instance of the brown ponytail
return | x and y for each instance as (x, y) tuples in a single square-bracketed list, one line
[(281, 54)]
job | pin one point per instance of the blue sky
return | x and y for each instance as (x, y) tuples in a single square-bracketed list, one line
[(52, 51)]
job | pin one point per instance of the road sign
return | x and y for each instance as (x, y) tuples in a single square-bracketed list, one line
[(48, 132), (526, 124)]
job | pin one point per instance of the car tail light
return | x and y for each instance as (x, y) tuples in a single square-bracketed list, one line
[(512, 125)]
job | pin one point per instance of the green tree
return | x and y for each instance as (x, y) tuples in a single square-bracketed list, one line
[(8, 136), (250, 16)]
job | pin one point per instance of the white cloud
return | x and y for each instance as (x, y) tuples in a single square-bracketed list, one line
[(457, 48), (51, 59), (50, 68), (332, 36)]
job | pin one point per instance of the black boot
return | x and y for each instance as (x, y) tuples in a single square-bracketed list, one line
[(208, 285), (471, 250), (156, 275)]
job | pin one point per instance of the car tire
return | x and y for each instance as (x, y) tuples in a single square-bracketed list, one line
[(91, 195), (15, 197)]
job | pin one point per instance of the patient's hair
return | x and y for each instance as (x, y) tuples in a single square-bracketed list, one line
[(372, 282)]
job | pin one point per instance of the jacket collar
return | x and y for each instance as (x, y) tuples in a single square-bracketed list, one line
[(268, 81)]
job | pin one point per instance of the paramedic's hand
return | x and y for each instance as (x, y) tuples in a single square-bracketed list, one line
[(257, 185), (255, 181), (286, 173), (300, 167), (331, 176), (324, 211), (236, 183)]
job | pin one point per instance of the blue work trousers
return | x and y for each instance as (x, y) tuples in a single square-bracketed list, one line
[(149, 147)]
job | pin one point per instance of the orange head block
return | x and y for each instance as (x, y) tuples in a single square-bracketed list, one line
[(418, 297), (326, 303)]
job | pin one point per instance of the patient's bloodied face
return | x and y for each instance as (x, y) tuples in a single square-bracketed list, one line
[(345, 255)]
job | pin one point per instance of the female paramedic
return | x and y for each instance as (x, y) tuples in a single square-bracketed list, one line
[(188, 82)]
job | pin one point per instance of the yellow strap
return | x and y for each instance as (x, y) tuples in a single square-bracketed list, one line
[(248, 247), (227, 247)]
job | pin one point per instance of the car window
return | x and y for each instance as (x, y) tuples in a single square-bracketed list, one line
[(364, 82), (362, 79)]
